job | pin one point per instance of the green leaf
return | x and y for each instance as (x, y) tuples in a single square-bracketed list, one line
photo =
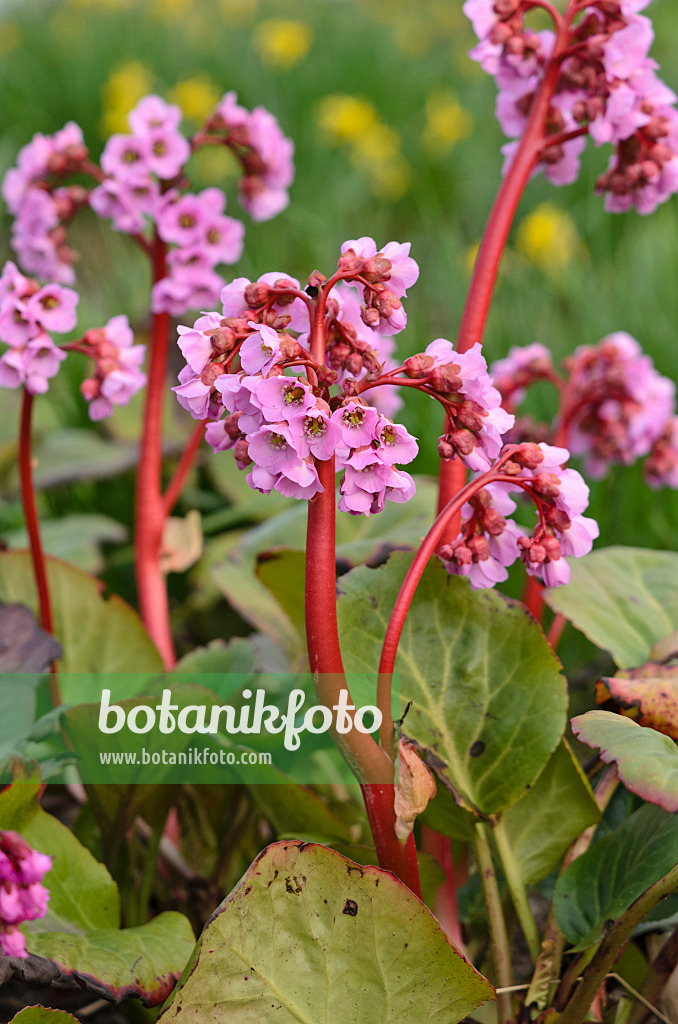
[(488, 697), (541, 826), (297, 811), (283, 573), (647, 761), (17, 711), (235, 656), (76, 538), (601, 884), (623, 599), (144, 962), (43, 1015), (83, 895), (310, 936), (80, 932), (97, 634)]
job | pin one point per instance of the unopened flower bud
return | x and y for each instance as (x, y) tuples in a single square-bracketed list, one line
[(211, 372), (326, 376), (90, 388), (354, 363), (479, 548), (223, 339), (536, 553), (445, 449), (241, 453), (337, 354), (238, 324), (351, 388), (369, 316), (418, 366), (316, 279), (375, 269), (257, 294), (470, 414), (445, 379), (386, 301), (285, 284), (547, 484), (552, 548), (348, 262), (558, 519), (493, 522), (463, 440), (528, 455), (290, 347), (231, 425)]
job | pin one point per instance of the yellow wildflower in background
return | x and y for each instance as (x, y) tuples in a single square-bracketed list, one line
[(447, 122), (197, 97), (345, 119), (172, 8), (10, 37), (121, 93), (374, 147), (548, 237), (282, 42)]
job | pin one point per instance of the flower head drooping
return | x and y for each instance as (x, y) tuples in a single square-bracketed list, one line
[(117, 375), (27, 313), (488, 542), (264, 152), (475, 419), (607, 87), (22, 896)]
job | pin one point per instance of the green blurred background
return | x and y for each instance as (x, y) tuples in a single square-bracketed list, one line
[(396, 138)]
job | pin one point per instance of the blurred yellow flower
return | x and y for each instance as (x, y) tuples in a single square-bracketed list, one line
[(238, 12), (197, 97), (345, 118), (548, 237), (121, 93), (447, 122), (111, 5), (374, 147), (171, 8), (212, 165), (470, 257), (10, 37), (282, 42)]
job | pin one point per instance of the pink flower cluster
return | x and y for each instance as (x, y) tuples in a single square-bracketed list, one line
[(40, 206), (279, 424), (27, 313), (615, 406), (264, 152), (22, 896), (488, 543), (139, 168), (607, 87), (117, 376), (475, 419)]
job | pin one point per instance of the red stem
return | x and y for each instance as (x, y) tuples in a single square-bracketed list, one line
[(445, 908), (150, 504), (33, 530), (185, 464), (532, 597)]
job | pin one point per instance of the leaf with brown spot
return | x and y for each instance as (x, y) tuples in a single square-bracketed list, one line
[(343, 949), (648, 695)]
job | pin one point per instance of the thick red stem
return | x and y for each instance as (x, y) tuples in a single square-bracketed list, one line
[(33, 530), (532, 597), (371, 764), (474, 316), (150, 504)]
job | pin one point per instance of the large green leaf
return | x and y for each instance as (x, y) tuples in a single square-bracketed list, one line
[(70, 454), (488, 697), (647, 761), (623, 599), (81, 932), (310, 936), (601, 884), (144, 962), (537, 828), (83, 895), (97, 634)]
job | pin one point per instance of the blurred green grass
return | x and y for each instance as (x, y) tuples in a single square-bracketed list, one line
[(64, 60)]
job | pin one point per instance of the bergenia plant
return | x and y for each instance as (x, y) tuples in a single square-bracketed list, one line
[(302, 382)]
